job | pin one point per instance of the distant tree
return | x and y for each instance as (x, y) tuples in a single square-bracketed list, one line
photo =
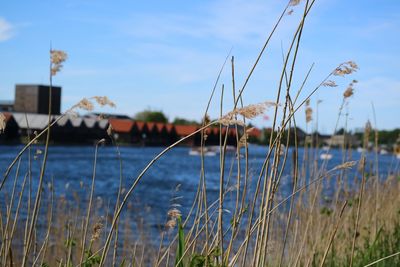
[(388, 137), (341, 131), (182, 121), (151, 116)]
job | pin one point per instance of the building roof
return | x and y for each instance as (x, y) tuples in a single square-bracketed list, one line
[(90, 122), (35, 121), (140, 125), (160, 126), (215, 130), (169, 127), (183, 130), (6, 103), (76, 121), (151, 125), (232, 131), (63, 121), (103, 123), (121, 125), (255, 133), (107, 115)]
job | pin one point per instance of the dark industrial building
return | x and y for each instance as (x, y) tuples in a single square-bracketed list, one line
[(33, 98)]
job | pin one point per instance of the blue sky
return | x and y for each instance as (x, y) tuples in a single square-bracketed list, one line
[(165, 55)]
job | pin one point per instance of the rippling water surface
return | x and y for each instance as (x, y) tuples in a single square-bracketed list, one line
[(71, 168)]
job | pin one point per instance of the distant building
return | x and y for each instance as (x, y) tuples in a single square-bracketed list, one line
[(6, 105), (341, 140), (33, 98)]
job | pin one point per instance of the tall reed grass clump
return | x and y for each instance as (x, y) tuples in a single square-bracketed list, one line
[(252, 222)]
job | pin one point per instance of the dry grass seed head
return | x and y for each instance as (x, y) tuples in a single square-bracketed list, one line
[(170, 224), (249, 112), (367, 132), (104, 101), (109, 130), (349, 91), (228, 120), (346, 165), (2, 122), (252, 111), (85, 104), (243, 140), (346, 68), (57, 57), (97, 231), (244, 137), (206, 119), (329, 83), (174, 213), (309, 112), (294, 2)]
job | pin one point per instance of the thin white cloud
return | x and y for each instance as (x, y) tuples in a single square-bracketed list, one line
[(6, 30), (383, 91), (234, 22), (190, 47)]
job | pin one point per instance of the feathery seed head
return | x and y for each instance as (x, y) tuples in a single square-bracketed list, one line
[(346, 165), (367, 132), (346, 68), (252, 111), (57, 57), (309, 112), (174, 213), (368, 127), (85, 104), (228, 120), (206, 119), (109, 130), (243, 140), (103, 101), (294, 2), (2, 122), (244, 137), (170, 224), (97, 231), (249, 112), (329, 83), (349, 91)]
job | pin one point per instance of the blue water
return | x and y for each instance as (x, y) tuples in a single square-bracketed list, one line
[(71, 169)]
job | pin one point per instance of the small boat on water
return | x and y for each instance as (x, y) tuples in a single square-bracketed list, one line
[(383, 151), (196, 151), (396, 148), (360, 150), (325, 156)]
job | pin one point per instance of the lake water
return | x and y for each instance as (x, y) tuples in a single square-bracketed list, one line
[(71, 168)]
